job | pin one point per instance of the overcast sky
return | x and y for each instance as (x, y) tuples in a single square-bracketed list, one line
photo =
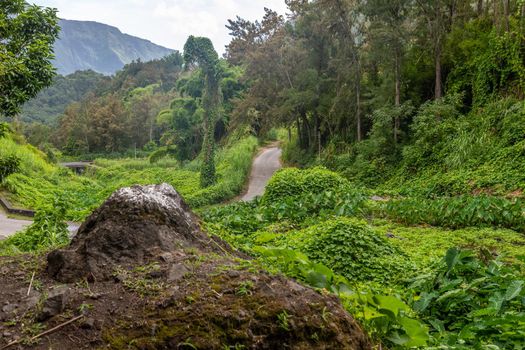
[(166, 22)]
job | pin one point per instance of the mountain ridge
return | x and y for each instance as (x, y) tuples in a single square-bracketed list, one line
[(85, 45)]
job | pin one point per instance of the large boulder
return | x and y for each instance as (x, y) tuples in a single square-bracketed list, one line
[(135, 225), (174, 287)]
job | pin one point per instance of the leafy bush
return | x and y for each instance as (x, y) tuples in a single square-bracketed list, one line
[(5, 129), (158, 154), (8, 165), (473, 303), (246, 218), (458, 212), (351, 248), (48, 229), (292, 182)]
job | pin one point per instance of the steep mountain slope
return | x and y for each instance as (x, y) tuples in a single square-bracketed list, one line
[(105, 49)]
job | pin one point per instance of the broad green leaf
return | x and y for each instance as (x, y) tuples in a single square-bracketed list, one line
[(513, 290), (416, 331), (452, 258), (390, 303)]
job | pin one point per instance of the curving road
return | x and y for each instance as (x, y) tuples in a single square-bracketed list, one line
[(264, 166)]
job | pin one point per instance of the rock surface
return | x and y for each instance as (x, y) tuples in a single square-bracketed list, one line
[(134, 225)]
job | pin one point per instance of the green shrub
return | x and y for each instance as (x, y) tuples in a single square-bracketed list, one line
[(5, 129), (158, 154), (473, 303), (293, 182), (351, 248), (9, 165)]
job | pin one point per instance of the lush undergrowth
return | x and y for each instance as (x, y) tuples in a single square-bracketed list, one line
[(39, 182), (416, 286), (448, 154)]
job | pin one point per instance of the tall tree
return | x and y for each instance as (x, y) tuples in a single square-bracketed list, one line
[(438, 17), (27, 34), (388, 34), (200, 50)]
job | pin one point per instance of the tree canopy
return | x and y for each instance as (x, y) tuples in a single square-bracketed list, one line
[(27, 34)]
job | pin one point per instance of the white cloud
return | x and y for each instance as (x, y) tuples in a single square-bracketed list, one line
[(166, 22)]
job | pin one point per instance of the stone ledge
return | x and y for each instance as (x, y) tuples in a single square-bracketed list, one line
[(16, 211)]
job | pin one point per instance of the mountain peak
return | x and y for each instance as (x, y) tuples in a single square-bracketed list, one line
[(84, 45)]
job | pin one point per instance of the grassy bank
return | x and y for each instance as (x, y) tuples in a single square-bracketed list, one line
[(39, 182)]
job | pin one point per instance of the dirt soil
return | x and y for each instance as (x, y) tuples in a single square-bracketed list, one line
[(181, 292)]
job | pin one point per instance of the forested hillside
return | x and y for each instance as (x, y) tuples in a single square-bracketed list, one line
[(49, 104)]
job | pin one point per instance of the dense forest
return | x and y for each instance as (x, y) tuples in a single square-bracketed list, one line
[(402, 129)]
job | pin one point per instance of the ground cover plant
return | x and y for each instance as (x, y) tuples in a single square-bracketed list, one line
[(459, 212), (403, 283)]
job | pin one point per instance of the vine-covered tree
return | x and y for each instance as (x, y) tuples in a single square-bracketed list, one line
[(200, 50), (27, 34)]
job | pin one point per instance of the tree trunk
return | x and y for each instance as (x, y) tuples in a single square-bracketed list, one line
[(438, 92), (506, 11), (480, 8), (398, 94), (358, 99)]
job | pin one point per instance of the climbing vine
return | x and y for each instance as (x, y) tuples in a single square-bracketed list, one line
[(200, 50)]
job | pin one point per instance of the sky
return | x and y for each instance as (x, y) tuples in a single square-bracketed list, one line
[(166, 22)]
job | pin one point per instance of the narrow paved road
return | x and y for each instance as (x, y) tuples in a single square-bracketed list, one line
[(10, 226), (264, 166)]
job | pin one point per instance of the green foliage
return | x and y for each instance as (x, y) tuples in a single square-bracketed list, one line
[(8, 165), (294, 195), (425, 245), (292, 182), (5, 130), (157, 155), (459, 212), (27, 34), (51, 102), (48, 229), (486, 62), (233, 167), (352, 249), (472, 303)]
